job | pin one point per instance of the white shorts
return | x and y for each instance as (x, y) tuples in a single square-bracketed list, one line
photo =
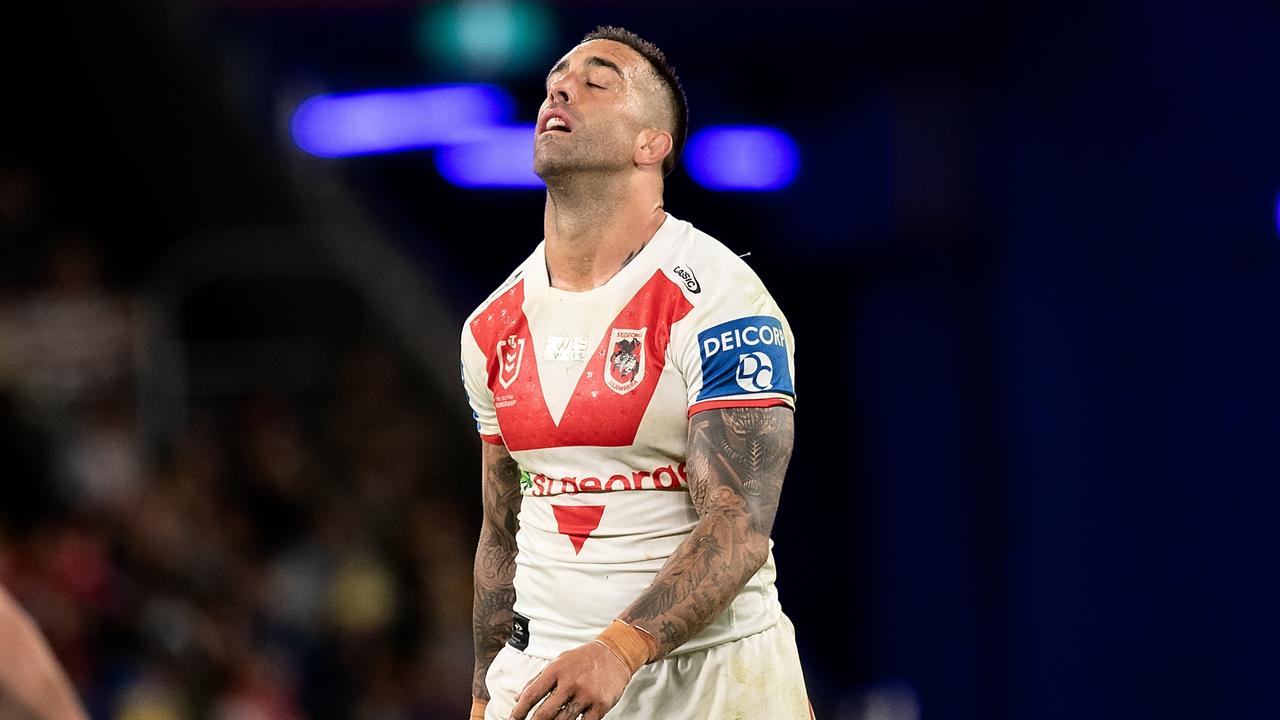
[(757, 677)]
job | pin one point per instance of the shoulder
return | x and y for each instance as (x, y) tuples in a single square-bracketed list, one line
[(705, 266), (726, 293), (504, 291)]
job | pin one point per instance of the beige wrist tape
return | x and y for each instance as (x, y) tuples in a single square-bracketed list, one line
[(634, 646), (477, 709)]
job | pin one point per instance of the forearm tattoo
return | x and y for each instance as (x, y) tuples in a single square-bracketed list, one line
[(495, 564), (737, 458)]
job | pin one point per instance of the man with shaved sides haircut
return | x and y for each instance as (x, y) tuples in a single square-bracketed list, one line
[(633, 387)]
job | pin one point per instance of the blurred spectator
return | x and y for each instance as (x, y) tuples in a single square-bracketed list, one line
[(281, 557), (68, 340), (261, 565), (66, 350)]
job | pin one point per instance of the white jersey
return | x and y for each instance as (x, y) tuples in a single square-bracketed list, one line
[(591, 393)]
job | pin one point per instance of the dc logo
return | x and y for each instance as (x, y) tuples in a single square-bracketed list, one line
[(755, 372)]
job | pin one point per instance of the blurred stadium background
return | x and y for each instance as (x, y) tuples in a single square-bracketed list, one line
[(1031, 254)]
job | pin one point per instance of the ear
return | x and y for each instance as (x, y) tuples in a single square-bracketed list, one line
[(652, 146)]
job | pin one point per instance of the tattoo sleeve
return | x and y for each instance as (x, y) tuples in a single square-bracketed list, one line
[(736, 461), (495, 565)]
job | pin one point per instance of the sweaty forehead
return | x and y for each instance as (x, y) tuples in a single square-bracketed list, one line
[(630, 61)]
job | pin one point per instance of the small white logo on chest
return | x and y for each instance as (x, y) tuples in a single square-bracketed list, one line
[(565, 349)]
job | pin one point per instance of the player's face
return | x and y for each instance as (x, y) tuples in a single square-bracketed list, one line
[(591, 117)]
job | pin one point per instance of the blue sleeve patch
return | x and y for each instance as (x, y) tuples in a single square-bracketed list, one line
[(747, 355)]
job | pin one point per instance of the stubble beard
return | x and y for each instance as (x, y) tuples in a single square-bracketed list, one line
[(586, 158)]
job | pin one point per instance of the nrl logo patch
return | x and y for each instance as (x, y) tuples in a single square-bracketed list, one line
[(510, 354), (624, 365)]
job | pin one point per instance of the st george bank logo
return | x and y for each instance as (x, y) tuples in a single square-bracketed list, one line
[(747, 355)]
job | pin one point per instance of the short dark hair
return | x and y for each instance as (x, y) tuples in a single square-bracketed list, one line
[(667, 74)]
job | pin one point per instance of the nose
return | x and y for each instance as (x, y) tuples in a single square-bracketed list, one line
[(560, 90)]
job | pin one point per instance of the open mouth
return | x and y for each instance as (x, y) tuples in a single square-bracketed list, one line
[(556, 124)]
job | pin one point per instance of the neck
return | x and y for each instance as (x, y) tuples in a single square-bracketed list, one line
[(595, 225)]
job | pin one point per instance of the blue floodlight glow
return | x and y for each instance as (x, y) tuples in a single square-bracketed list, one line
[(500, 157), (742, 157), (386, 121), (1278, 212)]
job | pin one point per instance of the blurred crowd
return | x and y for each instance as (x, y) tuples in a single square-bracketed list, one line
[(278, 556)]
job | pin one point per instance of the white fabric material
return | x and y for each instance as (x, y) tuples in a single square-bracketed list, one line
[(757, 677), (591, 394)]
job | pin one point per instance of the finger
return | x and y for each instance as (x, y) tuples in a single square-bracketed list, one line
[(533, 691), (551, 707), (570, 711), (594, 712)]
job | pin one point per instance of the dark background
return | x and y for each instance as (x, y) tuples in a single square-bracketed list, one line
[(1031, 259)]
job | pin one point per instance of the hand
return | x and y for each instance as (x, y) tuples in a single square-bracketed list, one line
[(587, 680)]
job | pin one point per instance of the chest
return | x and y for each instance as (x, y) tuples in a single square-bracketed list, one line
[(574, 374)]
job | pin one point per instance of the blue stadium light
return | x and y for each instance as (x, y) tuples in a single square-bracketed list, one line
[(384, 121), (742, 157), (499, 157)]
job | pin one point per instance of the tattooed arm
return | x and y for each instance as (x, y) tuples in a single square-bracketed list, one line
[(495, 566), (736, 460)]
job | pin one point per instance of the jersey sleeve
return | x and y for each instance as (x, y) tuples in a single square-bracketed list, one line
[(475, 377), (735, 349)]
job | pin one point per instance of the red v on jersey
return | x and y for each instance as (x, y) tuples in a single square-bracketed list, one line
[(578, 521), (605, 409)]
